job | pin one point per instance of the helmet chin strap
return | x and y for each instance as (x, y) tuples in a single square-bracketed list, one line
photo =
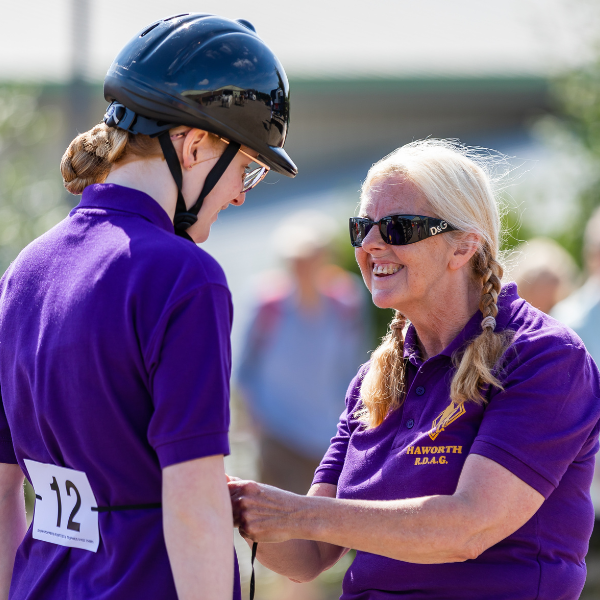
[(185, 217)]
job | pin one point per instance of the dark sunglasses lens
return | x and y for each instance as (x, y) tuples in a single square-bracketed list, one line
[(396, 231), (253, 178), (359, 229)]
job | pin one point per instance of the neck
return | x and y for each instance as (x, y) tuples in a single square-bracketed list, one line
[(440, 322), (308, 296), (151, 176)]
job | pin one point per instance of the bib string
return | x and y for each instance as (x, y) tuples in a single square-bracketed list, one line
[(253, 578), (105, 509)]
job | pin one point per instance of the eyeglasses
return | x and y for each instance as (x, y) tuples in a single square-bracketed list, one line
[(398, 230), (251, 177)]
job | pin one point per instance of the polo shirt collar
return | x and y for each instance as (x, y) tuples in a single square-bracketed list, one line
[(509, 304), (117, 198)]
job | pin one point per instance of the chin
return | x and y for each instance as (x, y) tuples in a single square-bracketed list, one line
[(384, 300), (199, 234), (199, 239)]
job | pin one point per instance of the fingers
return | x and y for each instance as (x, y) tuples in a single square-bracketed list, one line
[(261, 512), (239, 491)]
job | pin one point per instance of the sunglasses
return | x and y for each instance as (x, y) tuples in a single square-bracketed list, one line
[(398, 230)]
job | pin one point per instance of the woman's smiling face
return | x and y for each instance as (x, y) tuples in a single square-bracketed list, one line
[(401, 277)]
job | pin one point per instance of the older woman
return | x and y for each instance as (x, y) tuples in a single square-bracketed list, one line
[(462, 464)]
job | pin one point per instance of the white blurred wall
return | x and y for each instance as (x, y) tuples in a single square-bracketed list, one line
[(388, 37)]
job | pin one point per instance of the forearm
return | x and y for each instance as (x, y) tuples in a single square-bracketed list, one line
[(490, 503), (13, 525), (198, 526), (201, 555), (299, 560), (430, 530)]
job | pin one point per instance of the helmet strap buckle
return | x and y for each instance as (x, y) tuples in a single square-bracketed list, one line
[(184, 217)]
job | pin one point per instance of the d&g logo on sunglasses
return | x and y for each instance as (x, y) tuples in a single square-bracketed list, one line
[(439, 228)]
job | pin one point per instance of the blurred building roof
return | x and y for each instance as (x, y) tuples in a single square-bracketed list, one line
[(389, 38)]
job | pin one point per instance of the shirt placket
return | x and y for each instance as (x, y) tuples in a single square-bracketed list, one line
[(419, 381)]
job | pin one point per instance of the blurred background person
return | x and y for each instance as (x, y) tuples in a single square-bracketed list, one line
[(545, 273), (307, 336), (309, 332), (581, 312)]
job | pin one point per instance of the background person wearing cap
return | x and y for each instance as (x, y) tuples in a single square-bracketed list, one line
[(462, 465), (305, 342), (545, 273), (115, 333)]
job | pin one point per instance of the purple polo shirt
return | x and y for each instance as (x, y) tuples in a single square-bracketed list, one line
[(543, 428), (114, 360)]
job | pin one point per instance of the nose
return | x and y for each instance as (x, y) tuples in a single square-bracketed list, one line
[(373, 241), (239, 200)]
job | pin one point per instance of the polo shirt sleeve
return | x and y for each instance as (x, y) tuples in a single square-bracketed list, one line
[(189, 377), (7, 451), (333, 462), (547, 416)]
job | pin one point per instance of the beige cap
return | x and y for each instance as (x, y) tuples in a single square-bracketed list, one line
[(303, 234)]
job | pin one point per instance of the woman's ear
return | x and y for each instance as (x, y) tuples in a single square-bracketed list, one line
[(466, 246), (197, 147)]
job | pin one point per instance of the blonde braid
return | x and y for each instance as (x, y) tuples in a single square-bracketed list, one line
[(474, 366), (90, 156), (383, 387)]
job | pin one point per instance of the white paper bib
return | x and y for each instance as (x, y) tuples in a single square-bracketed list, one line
[(63, 507)]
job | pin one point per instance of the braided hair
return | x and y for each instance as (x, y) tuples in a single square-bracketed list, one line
[(90, 156), (474, 365), (383, 387)]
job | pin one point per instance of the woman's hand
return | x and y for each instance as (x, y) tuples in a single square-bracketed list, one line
[(264, 513)]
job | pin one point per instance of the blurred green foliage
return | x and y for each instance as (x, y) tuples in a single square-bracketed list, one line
[(32, 198), (578, 99)]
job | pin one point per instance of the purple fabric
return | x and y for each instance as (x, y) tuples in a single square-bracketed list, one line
[(543, 428), (114, 360)]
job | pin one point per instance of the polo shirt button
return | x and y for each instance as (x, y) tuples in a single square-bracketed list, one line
[(410, 423), (420, 391)]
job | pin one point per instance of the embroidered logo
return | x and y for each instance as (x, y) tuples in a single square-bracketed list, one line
[(449, 415)]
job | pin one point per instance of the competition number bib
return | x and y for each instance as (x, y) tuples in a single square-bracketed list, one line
[(63, 507)]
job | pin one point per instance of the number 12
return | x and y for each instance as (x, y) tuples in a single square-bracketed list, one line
[(69, 485)]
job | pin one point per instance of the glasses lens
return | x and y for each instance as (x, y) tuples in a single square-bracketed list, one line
[(253, 177), (396, 231), (359, 229)]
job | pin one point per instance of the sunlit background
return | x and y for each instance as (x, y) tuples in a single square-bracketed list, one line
[(518, 76)]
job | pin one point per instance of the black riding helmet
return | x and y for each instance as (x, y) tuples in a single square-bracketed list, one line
[(207, 72)]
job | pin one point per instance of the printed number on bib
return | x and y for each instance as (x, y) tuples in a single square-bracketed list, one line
[(63, 507)]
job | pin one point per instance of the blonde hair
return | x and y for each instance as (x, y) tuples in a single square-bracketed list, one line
[(457, 183), (91, 155)]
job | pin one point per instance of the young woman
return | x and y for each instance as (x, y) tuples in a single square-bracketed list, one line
[(463, 461), (114, 331)]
